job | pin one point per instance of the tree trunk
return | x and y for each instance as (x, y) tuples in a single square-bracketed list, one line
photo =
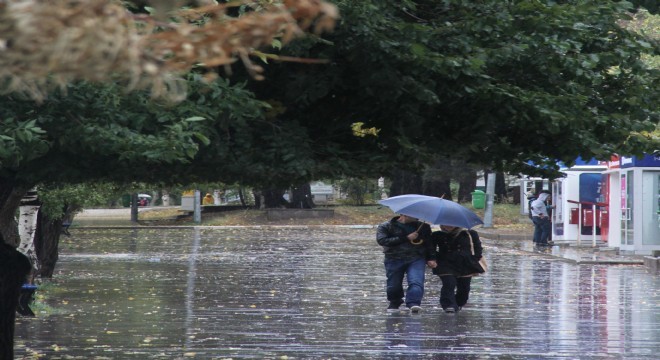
[(10, 199), (501, 194), (466, 185), (27, 226), (301, 197), (14, 268), (241, 196), (134, 208), (439, 188), (259, 202), (404, 182), (273, 198), (46, 242), (436, 182)]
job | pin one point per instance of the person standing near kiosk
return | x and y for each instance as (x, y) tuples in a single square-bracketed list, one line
[(541, 219)]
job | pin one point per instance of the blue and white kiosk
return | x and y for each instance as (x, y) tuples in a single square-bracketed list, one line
[(580, 204), (634, 197)]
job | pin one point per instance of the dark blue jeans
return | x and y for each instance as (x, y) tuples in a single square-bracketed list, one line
[(455, 291), (542, 227), (414, 272)]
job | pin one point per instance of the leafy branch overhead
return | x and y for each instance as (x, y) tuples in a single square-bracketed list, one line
[(496, 83), (46, 43)]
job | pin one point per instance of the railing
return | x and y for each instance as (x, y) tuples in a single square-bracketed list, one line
[(594, 222)]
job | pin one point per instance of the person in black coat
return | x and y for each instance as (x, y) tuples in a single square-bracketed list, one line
[(408, 249), (455, 261)]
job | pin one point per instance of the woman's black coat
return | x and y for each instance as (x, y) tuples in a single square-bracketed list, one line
[(453, 252)]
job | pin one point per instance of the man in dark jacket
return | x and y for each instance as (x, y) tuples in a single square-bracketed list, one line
[(408, 249)]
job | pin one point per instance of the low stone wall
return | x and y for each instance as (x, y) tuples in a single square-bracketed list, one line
[(285, 214), (222, 208)]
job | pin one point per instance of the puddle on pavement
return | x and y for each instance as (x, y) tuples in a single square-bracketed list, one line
[(318, 294)]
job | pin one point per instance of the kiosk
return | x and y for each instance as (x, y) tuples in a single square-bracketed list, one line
[(580, 204), (634, 223)]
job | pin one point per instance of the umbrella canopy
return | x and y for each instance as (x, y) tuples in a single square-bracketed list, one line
[(433, 210)]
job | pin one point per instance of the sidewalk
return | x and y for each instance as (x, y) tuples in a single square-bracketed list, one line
[(584, 254)]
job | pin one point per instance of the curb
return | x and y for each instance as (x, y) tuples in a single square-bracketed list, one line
[(495, 236), (138, 226), (653, 265)]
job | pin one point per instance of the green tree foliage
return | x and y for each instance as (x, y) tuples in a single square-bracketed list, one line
[(242, 143), (653, 6), (495, 82), (648, 25), (89, 132), (59, 202), (96, 132), (359, 191)]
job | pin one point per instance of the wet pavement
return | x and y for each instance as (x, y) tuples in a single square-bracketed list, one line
[(318, 293)]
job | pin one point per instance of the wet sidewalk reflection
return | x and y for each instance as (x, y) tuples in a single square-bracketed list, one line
[(318, 293)]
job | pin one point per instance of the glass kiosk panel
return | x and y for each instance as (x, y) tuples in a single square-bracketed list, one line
[(627, 230), (651, 205)]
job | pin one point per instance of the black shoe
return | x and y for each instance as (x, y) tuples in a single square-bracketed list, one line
[(415, 309), (393, 307), (450, 310)]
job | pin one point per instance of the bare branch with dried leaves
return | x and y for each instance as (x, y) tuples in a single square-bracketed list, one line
[(45, 44)]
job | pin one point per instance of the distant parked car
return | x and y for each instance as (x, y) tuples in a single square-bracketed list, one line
[(144, 199)]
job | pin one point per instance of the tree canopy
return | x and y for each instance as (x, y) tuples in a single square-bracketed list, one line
[(493, 82), (77, 59)]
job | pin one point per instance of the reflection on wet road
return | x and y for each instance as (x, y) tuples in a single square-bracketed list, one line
[(318, 293)]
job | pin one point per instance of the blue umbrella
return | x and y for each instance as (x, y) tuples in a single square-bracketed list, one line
[(433, 210)]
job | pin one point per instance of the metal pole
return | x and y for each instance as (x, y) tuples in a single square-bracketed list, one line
[(490, 195), (580, 216), (593, 229), (197, 208)]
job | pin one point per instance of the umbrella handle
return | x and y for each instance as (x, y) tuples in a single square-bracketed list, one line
[(420, 241)]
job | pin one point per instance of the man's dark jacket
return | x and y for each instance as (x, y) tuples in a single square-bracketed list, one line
[(392, 236)]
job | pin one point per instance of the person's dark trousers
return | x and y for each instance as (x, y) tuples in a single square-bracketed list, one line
[(542, 229), (538, 228), (414, 271), (546, 230), (455, 291)]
